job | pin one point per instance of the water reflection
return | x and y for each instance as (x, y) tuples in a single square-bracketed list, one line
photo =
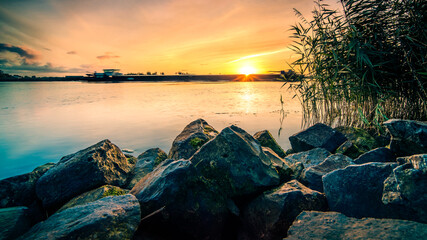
[(41, 122)]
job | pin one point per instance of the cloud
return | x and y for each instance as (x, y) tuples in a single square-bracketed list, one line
[(72, 52), (23, 52), (20, 59), (259, 55), (107, 55)]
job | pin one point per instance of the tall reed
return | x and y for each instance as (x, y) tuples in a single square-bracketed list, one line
[(363, 64)]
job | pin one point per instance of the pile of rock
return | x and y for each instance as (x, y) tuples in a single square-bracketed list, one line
[(338, 183)]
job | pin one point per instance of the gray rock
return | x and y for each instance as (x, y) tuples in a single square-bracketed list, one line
[(308, 158), (14, 221), (312, 176), (333, 225), (270, 215), (147, 161), (284, 170), (234, 160), (100, 164), (20, 190), (406, 188), (407, 137), (178, 203), (191, 139), (115, 217), (92, 196), (381, 154), (357, 190), (266, 140), (317, 136)]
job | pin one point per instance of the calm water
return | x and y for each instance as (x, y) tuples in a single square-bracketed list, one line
[(41, 122)]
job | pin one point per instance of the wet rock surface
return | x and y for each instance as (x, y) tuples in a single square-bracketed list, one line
[(333, 225)]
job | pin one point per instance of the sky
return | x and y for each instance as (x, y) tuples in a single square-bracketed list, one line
[(75, 37)]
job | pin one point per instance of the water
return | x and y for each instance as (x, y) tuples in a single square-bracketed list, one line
[(41, 122)]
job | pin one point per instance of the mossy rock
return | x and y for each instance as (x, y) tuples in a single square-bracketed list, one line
[(266, 140), (96, 194), (359, 141), (197, 142)]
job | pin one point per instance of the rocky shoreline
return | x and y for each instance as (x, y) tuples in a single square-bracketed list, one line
[(335, 183)]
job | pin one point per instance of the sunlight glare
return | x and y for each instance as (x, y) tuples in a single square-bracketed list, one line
[(247, 70)]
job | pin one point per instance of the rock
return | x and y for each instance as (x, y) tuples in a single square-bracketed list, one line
[(178, 203), (312, 176), (333, 225), (191, 139), (356, 190), (266, 140), (114, 217), (125, 150), (406, 188), (407, 137), (147, 161), (283, 169), (270, 215), (100, 164), (308, 158), (20, 190), (92, 196), (235, 161), (317, 136), (14, 221), (381, 154), (360, 139)]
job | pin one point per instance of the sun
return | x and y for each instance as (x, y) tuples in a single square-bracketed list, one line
[(247, 70)]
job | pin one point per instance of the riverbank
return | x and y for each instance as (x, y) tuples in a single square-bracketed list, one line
[(230, 185)]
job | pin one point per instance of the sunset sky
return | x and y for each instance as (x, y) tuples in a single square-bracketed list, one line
[(73, 37)]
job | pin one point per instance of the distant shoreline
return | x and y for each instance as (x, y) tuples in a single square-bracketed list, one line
[(157, 78)]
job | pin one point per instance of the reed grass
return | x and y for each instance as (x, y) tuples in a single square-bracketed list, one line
[(363, 64)]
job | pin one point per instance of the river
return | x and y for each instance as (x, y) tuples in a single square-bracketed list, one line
[(42, 121)]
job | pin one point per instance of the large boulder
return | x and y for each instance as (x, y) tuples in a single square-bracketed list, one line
[(266, 140), (93, 195), (357, 190), (20, 190), (191, 139), (270, 215), (317, 136), (333, 225), (359, 141), (176, 202), (380, 154), (312, 176), (407, 137), (114, 217), (234, 160), (14, 221), (406, 188), (101, 164), (146, 162)]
